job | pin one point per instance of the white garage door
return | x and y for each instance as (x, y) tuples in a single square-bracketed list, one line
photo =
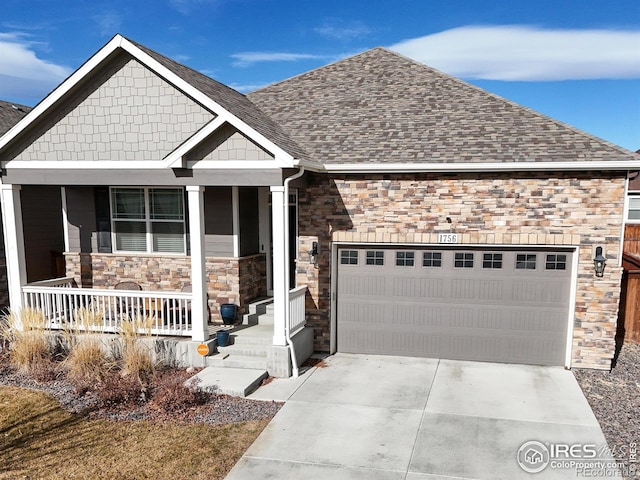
[(507, 305)]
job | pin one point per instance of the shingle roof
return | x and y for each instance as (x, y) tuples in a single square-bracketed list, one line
[(232, 101), (381, 107), (10, 114)]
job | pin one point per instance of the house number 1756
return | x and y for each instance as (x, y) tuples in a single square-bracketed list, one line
[(447, 238)]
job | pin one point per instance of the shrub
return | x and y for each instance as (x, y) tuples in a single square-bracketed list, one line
[(116, 390), (170, 395)]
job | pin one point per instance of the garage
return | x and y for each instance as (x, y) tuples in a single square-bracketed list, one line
[(483, 304)]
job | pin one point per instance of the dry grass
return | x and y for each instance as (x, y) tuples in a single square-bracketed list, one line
[(30, 351), (87, 362), (137, 359), (87, 319), (41, 440)]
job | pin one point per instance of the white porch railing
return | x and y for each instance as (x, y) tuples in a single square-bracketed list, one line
[(297, 319), (104, 310)]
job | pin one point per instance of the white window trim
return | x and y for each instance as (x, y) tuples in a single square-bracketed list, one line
[(148, 222), (627, 204)]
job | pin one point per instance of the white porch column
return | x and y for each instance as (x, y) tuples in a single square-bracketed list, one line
[(13, 243), (195, 199), (278, 204)]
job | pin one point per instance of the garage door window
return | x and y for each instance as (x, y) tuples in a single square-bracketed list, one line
[(556, 262), (526, 261), (375, 257), (432, 259), (463, 260), (349, 257), (492, 260), (405, 259)]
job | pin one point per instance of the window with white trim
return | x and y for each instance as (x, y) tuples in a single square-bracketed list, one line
[(349, 257), (556, 262), (633, 208), (432, 259), (405, 259), (148, 220), (492, 260), (463, 260), (375, 257)]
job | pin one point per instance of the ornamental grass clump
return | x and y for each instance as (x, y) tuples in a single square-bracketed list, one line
[(29, 348), (137, 359), (87, 319), (87, 363)]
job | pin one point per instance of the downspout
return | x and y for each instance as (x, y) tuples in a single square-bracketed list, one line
[(287, 279)]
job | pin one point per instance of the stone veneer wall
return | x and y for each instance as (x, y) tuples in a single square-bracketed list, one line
[(570, 209), (230, 280)]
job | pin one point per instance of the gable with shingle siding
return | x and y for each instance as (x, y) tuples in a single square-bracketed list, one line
[(124, 113), (380, 107)]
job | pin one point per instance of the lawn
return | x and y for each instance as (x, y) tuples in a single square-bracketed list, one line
[(41, 440)]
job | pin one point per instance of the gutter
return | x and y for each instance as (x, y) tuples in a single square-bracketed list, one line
[(451, 167), (287, 312)]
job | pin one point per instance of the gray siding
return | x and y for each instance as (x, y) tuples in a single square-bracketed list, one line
[(124, 113), (43, 233), (81, 219), (228, 144), (249, 221), (218, 222)]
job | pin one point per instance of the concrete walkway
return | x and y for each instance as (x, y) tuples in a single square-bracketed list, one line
[(381, 418)]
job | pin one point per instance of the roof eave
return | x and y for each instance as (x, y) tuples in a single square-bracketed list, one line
[(622, 165)]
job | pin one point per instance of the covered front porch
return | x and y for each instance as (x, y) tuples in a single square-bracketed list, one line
[(176, 295), (138, 169)]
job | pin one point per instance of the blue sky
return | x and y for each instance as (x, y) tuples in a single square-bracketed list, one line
[(575, 60)]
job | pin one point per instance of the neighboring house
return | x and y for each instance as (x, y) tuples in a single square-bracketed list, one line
[(422, 216), (629, 318), (10, 114)]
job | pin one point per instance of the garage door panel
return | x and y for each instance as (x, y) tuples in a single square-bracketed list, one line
[(417, 287), (504, 314)]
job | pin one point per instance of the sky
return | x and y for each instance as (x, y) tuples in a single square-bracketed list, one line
[(577, 61)]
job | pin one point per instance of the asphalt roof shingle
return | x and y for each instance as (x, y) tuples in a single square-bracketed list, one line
[(381, 107), (10, 114), (232, 101)]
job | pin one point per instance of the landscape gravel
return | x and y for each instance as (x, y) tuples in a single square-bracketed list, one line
[(614, 397), (219, 410)]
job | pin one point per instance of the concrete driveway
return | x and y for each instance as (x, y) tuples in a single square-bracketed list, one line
[(376, 417)]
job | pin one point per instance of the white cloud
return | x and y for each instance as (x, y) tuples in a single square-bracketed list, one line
[(244, 59), (22, 73), (524, 53), (338, 30), (186, 6), (108, 23)]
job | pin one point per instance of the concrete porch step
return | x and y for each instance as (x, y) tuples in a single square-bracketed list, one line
[(238, 382), (260, 311), (244, 349), (252, 335), (244, 362)]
